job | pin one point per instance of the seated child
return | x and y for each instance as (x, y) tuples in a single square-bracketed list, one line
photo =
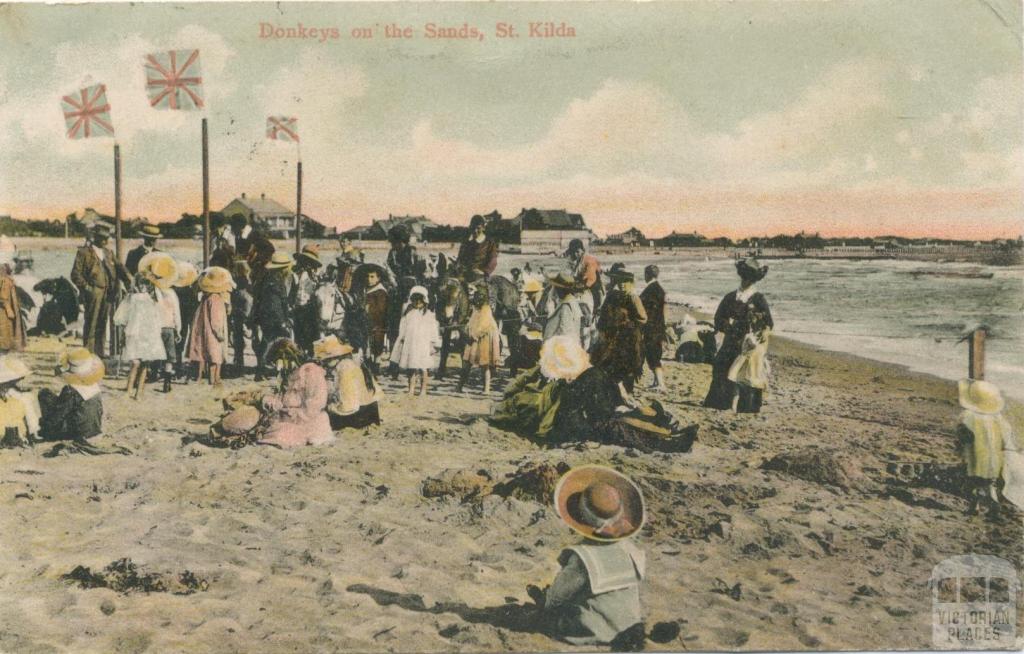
[(596, 596), (19, 413), (77, 412)]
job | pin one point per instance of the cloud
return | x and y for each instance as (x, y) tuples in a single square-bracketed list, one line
[(81, 64)]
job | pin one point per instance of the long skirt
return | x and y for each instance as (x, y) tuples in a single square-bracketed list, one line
[(723, 390), (368, 414)]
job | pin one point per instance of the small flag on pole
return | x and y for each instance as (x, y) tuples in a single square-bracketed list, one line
[(87, 113), (173, 80), (283, 128)]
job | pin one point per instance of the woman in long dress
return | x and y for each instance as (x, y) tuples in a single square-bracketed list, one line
[(12, 329), (745, 320), (619, 348)]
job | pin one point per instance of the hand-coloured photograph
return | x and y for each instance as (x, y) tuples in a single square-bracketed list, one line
[(511, 326)]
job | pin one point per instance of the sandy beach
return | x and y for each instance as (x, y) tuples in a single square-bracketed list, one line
[(336, 548)]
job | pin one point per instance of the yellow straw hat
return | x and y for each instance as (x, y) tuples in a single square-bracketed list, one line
[(279, 260), (330, 348), (160, 268), (311, 253), (562, 357), (600, 503), (12, 369), (532, 286), (187, 274), (216, 280), (980, 396), (150, 231), (80, 366)]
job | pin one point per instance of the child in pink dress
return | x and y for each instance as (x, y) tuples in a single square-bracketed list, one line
[(209, 333), (298, 412)]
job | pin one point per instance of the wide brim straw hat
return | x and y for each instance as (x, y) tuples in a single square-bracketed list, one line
[(330, 348), (12, 369), (240, 421), (532, 286), (216, 280), (592, 493), (750, 271), (187, 274), (980, 396), (150, 231), (81, 367), (310, 253), (564, 280), (279, 260), (160, 268), (562, 357)]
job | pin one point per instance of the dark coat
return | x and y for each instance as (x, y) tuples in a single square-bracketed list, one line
[(68, 416), (131, 262), (653, 299), (270, 304), (734, 319), (477, 256), (619, 349)]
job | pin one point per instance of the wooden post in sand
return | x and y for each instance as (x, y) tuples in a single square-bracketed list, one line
[(976, 353), (114, 345)]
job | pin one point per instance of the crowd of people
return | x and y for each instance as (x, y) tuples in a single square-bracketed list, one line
[(576, 343)]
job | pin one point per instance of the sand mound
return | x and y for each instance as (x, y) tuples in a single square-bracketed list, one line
[(465, 485), (816, 465), (533, 482)]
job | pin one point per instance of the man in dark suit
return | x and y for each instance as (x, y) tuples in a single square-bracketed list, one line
[(150, 234), (653, 299), (97, 273)]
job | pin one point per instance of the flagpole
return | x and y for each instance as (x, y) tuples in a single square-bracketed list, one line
[(206, 197), (114, 345), (298, 207), (117, 201)]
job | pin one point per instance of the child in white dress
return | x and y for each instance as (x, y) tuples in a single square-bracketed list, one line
[(139, 315), (418, 335)]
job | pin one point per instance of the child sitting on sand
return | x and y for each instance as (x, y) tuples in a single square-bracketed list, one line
[(483, 340), (418, 335), (19, 413), (985, 439), (77, 412), (139, 315), (595, 599), (297, 412)]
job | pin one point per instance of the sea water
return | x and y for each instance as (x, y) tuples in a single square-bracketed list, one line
[(879, 309)]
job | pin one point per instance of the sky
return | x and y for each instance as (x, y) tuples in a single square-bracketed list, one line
[(736, 119)]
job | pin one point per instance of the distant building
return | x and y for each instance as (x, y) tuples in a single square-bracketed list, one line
[(679, 239), (631, 236), (378, 231), (542, 229), (277, 219)]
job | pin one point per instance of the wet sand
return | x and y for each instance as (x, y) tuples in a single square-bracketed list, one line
[(335, 548)]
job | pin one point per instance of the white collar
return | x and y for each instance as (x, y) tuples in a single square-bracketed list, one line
[(87, 392), (98, 250), (375, 287), (744, 294)]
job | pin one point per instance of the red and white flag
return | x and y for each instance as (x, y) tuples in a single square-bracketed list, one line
[(173, 80), (87, 113), (283, 128)]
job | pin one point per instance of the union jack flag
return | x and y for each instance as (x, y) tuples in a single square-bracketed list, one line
[(173, 80), (283, 128), (87, 113)]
